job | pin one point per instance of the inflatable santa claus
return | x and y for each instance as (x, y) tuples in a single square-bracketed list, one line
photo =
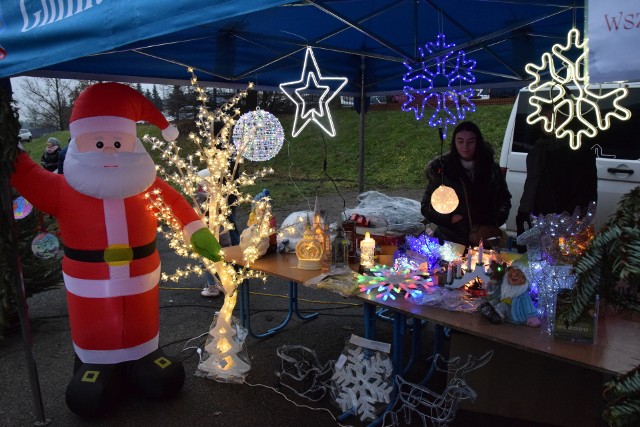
[(111, 266)]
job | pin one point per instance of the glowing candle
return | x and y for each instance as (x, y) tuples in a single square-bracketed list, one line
[(449, 273), (367, 251), (480, 253), (469, 266), (458, 269)]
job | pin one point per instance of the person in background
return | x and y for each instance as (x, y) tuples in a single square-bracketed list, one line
[(63, 154), (470, 170), (214, 286), (559, 179), (227, 238), (49, 159)]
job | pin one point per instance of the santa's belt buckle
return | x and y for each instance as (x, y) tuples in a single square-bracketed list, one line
[(118, 255)]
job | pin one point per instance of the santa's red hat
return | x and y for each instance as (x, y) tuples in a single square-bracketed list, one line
[(109, 107)]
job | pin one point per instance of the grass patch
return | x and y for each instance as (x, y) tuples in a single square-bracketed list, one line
[(397, 150)]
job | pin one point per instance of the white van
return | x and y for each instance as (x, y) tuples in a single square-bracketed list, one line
[(617, 150)]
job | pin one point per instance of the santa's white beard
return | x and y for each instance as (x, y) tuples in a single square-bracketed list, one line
[(108, 176), (511, 291)]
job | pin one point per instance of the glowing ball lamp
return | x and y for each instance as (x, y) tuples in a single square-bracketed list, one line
[(444, 200), (258, 135)]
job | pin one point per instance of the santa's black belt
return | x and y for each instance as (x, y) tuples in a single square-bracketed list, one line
[(114, 254)]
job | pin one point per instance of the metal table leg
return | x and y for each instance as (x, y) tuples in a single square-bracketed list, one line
[(293, 303), (245, 313), (437, 343), (369, 321)]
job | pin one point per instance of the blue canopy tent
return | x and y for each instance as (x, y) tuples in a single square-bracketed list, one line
[(232, 42)]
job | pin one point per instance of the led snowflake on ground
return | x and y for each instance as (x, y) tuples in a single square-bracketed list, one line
[(450, 65), (363, 382), (571, 111), (389, 282)]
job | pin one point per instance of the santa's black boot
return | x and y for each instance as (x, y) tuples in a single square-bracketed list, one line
[(94, 389), (157, 376)]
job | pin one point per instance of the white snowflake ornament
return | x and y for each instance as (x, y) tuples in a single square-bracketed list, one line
[(362, 381), (576, 115)]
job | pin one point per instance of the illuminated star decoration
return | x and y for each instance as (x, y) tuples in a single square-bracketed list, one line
[(571, 111), (313, 83), (452, 65), (389, 282)]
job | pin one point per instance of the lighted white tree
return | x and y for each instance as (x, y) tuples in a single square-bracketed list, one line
[(215, 153)]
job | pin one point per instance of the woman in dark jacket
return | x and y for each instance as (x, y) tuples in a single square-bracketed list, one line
[(49, 159), (469, 169)]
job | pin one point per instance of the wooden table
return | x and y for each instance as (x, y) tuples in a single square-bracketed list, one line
[(616, 351), (532, 376), (283, 266)]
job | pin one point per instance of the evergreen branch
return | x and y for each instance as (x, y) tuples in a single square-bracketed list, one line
[(623, 397)]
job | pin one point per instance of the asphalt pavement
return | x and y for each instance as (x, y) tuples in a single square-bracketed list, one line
[(185, 317)]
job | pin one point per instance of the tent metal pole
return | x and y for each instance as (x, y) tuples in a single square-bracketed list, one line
[(361, 132), (13, 261)]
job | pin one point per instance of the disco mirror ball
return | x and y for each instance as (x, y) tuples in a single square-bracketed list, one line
[(258, 135)]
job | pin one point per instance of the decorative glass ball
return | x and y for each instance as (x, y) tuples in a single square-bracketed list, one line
[(45, 245), (309, 251), (258, 135), (444, 200), (21, 207)]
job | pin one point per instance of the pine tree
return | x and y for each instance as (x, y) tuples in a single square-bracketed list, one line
[(156, 99)]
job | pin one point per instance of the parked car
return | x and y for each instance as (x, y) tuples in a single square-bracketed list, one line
[(617, 150), (25, 135)]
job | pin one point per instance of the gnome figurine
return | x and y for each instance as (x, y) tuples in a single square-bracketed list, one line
[(509, 298), (111, 267)]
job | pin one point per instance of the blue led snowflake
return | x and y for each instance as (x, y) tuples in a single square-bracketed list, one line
[(450, 65)]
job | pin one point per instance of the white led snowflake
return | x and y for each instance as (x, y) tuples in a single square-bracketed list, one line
[(363, 382), (570, 109), (389, 283), (450, 65)]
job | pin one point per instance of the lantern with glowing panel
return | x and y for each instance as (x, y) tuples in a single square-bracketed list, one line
[(309, 250)]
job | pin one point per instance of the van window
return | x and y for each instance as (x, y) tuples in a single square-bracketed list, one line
[(621, 140)]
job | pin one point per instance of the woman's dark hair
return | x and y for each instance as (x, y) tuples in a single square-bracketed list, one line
[(483, 154), (484, 151)]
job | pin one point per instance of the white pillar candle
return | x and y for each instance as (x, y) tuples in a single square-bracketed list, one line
[(367, 251), (449, 273), (480, 253), (469, 255), (458, 269)]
